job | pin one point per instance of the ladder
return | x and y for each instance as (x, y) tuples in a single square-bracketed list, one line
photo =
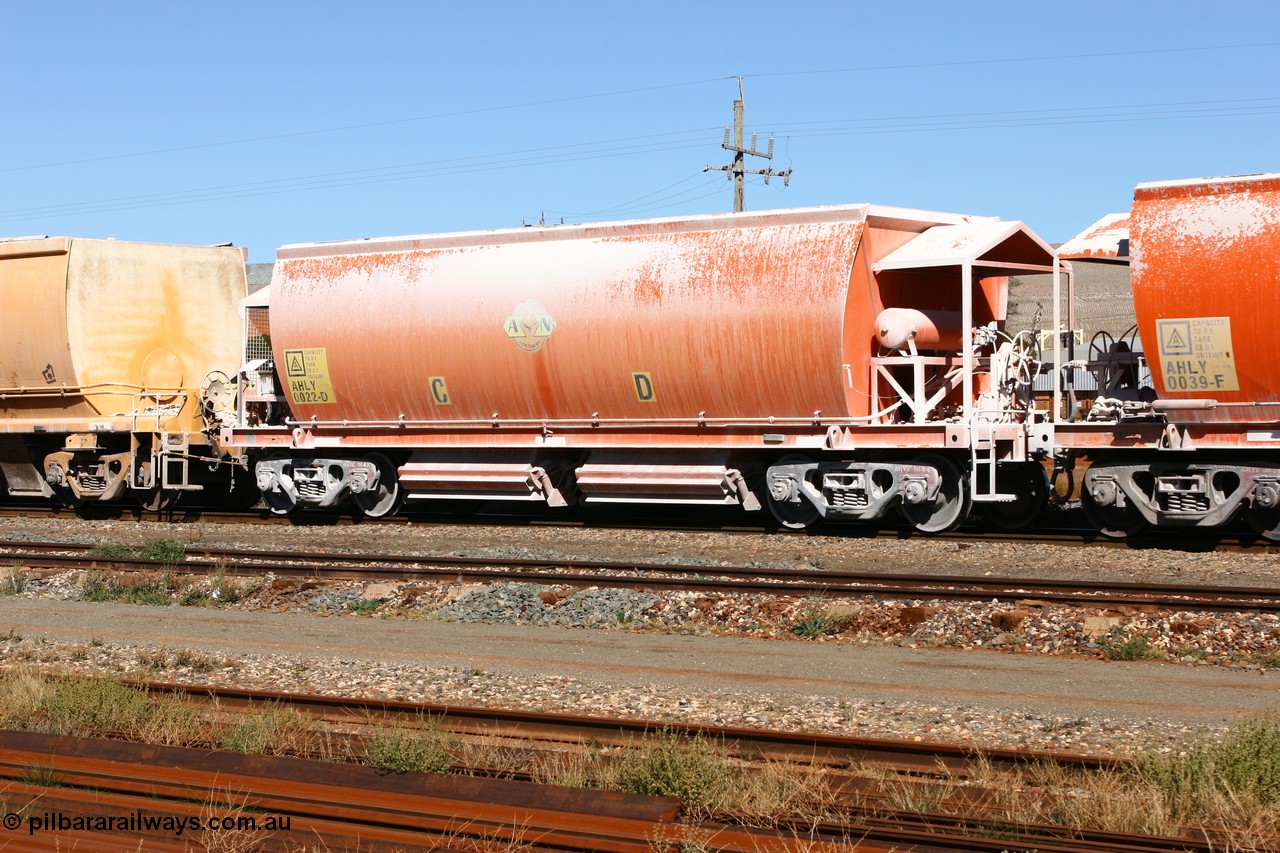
[(984, 459)]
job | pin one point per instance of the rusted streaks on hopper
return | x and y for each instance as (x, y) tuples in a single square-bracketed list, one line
[(1207, 259), (760, 309)]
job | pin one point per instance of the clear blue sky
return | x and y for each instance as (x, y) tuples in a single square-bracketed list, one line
[(264, 123)]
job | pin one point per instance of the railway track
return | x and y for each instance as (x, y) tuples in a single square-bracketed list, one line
[(350, 807), (1066, 530), (666, 576), (815, 748)]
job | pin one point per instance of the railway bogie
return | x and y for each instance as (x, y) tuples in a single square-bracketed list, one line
[(1130, 494)]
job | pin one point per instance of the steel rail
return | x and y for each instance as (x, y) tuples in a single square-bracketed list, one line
[(920, 757), (1056, 534), (338, 804), (916, 768), (706, 578), (379, 807)]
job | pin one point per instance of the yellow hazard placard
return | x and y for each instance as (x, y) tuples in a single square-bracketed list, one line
[(307, 371), (1196, 354)]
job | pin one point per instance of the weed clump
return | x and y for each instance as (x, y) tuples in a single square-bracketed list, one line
[(426, 749), (91, 707), (168, 550), (12, 583), (112, 551), (1120, 645), (274, 730), (816, 620), (1245, 763), (132, 589), (692, 769), (364, 606), (195, 596), (816, 626)]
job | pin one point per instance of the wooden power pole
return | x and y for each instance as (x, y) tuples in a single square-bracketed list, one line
[(737, 169)]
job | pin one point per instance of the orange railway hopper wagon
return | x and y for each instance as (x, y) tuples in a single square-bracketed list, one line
[(110, 355), (1206, 292), (844, 362)]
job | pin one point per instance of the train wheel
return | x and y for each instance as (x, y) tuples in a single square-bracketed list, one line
[(1113, 522), (68, 498), (797, 514), (1030, 483), (156, 500), (279, 502), (1265, 521), (242, 493), (387, 497), (948, 508)]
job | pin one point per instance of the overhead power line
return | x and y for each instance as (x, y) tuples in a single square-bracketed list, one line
[(362, 126), (327, 181), (1008, 60), (653, 143), (1218, 104), (616, 93), (1014, 123)]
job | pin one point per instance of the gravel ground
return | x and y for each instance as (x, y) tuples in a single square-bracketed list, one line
[(1247, 645)]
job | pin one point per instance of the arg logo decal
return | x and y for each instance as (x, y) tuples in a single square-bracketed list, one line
[(529, 325)]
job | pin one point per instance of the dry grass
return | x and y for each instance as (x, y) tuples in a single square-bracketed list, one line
[(778, 791), (153, 588), (161, 588), (225, 805), (163, 658), (423, 748), (12, 582), (477, 839), (1232, 782), (22, 690), (274, 729), (493, 758), (587, 769), (684, 838), (174, 721)]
